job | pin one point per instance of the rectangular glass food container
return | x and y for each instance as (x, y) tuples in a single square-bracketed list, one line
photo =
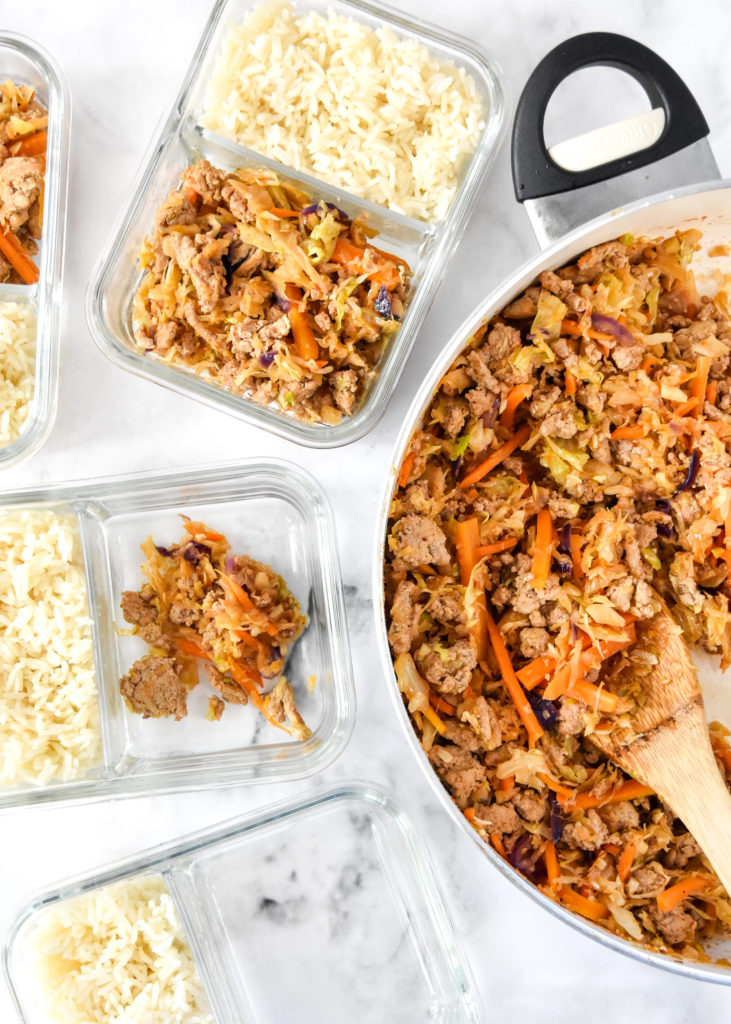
[(427, 247), (324, 910), (25, 63), (270, 510)]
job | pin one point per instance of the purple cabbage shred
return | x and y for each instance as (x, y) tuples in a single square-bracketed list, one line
[(230, 564), (194, 550), (526, 857), (609, 325), (545, 710), (693, 466), (166, 552), (557, 819), (312, 208), (382, 305), (564, 541), (266, 359)]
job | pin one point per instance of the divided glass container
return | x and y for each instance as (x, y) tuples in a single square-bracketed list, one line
[(427, 247), (25, 63), (341, 877), (269, 510)]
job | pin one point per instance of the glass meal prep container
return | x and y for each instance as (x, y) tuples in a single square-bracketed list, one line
[(269, 510), (321, 910), (427, 247), (25, 63)]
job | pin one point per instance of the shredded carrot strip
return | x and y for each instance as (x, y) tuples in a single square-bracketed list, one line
[(405, 471), (192, 648), (190, 194), (648, 362), (542, 549), (250, 641), (575, 544), (497, 457), (16, 255), (670, 898), (196, 529), (555, 786), (31, 145), (625, 862), (581, 905), (352, 257), (571, 327), (493, 549), (435, 720), (517, 395), (511, 682), (569, 383), (469, 814), (230, 584), (248, 683), (536, 671), (552, 869), (700, 383), (498, 844), (594, 696), (440, 704), (627, 433), (305, 343), (613, 848), (507, 785), (478, 629), (712, 392), (467, 541), (628, 790), (687, 407), (588, 660), (278, 211)]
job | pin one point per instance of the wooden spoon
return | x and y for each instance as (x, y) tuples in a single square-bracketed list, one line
[(667, 746)]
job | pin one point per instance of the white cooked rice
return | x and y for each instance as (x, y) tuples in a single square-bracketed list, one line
[(49, 714), (118, 954), (17, 367), (367, 111)]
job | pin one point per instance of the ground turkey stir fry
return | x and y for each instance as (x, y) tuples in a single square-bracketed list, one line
[(275, 298), (236, 615), (23, 124), (572, 465)]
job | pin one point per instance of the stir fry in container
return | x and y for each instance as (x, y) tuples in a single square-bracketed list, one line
[(271, 296), (572, 466), (236, 615), (23, 124)]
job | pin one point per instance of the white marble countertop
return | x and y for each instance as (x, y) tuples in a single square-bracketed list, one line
[(124, 63)]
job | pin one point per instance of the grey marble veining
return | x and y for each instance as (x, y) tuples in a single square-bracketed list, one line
[(124, 64)]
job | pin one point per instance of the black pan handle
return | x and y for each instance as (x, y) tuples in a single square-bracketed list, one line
[(535, 174)]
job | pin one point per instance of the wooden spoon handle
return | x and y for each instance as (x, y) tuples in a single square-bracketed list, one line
[(704, 806)]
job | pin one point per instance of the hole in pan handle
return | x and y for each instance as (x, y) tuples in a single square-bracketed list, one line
[(536, 174)]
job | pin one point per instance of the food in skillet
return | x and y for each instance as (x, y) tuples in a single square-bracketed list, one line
[(23, 124), (233, 613), (266, 294), (573, 462)]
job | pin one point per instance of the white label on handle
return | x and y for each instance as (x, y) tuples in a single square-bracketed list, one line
[(613, 142)]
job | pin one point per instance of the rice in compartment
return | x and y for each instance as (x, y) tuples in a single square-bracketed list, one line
[(17, 367), (118, 954), (49, 715), (364, 110)]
